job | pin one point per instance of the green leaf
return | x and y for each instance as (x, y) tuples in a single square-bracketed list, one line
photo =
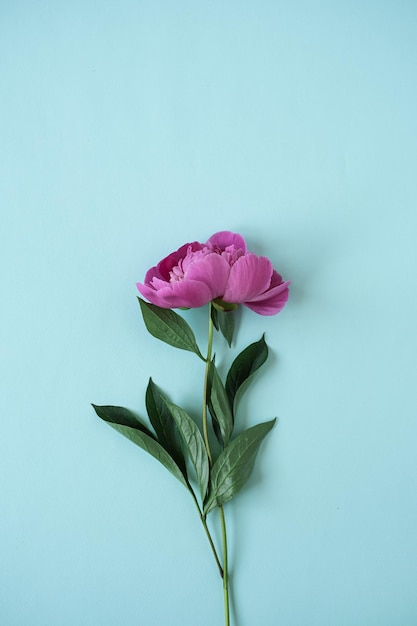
[(219, 406), (235, 464), (123, 417), (225, 322), (129, 425), (194, 444), (168, 326), (164, 424), (227, 325), (214, 317), (243, 368)]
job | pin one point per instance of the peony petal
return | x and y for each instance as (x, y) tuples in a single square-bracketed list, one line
[(276, 286), (188, 293), (212, 270), (225, 238), (152, 274), (249, 277), (184, 293), (273, 300), (271, 306), (165, 266)]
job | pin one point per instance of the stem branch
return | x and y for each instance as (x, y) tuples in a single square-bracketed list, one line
[(209, 537)]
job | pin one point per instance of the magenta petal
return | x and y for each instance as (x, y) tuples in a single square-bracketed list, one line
[(150, 294), (277, 285), (212, 270), (270, 306), (151, 274), (273, 300), (188, 294), (225, 238), (249, 277), (164, 267), (147, 292)]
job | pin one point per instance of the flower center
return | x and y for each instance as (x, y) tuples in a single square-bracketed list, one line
[(231, 254), (179, 271)]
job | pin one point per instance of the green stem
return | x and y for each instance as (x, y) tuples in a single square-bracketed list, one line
[(224, 569), (206, 375)]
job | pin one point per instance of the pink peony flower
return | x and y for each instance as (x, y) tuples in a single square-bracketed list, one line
[(222, 271)]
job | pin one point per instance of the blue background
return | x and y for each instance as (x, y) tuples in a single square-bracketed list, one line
[(126, 129)]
